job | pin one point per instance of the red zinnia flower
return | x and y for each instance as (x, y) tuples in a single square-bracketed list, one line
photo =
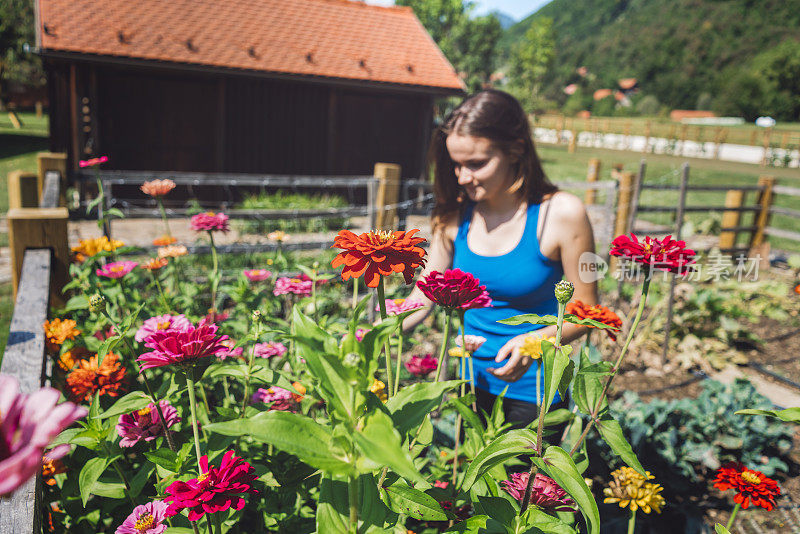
[(215, 490), (378, 253), (597, 312), (666, 254), (421, 366), (545, 493), (172, 347), (750, 485), (455, 289)]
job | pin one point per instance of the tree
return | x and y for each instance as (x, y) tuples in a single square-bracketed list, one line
[(529, 62), (16, 30)]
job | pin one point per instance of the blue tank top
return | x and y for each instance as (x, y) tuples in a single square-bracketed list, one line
[(520, 281)]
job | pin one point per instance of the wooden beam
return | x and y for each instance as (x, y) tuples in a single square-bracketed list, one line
[(53, 161), (765, 198), (23, 190), (731, 218), (388, 175), (592, 174)]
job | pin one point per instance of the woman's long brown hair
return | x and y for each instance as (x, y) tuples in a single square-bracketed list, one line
[(496, 116)]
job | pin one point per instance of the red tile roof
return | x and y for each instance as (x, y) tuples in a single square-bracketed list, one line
[(329, 38)]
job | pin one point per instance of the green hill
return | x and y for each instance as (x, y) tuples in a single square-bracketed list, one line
[(677, 49)]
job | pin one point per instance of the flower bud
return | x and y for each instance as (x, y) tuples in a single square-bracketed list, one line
[(564, 291), (351, 359), (97, 303), (256, 317)]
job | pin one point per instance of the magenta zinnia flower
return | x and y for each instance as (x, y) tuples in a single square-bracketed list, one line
[(162, 323), (269, 349), (116, 269), (282, 399), (171, 347), (455, 289), (28, 423), (257, 275), (145, 424), (210, 222), (230, 350), (421, 366), (145, 519), (666, 254), (92, 162), (545, 493), (215, 490), (297, 286), (398, 306)]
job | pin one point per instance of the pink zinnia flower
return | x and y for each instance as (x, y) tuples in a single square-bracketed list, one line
[(472, 343), (92, 162), (421, 366), (257, 275), (116, 269), (171, 347), (398, 306), (145, 519), (230, 350), (455, 289), (441, 484), (269, 349), (28, 423), (162, 323), (215, 490), (545, 493), (145, 424), (361, 332), (297, 286), (102, 335), (282, 400), (665, 254), (210, 222)]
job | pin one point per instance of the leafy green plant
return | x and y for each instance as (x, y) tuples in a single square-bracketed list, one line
[(287, 201)]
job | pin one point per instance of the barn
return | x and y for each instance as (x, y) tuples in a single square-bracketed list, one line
[(298, 87)]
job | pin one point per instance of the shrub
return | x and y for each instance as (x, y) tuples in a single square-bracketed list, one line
[(287, 201)]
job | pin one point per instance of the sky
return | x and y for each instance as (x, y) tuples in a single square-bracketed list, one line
[(518, 9)]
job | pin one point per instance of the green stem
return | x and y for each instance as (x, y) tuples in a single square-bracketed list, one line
[(399, 360), (214, 272), (466, 355), (250, 363), (443, 349), (160, 292), (124, 481), (386, 349), (352, 491), (314, 295), (733, 516), (193, 407), (355, 292), (632, 522), (163, 215)]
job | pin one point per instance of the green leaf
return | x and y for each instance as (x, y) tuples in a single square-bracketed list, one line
[(532, 318), (90, 473), (178, 530), (588, 385), (469, 416), (556, 417), (789, 415), (611, 432), (478, 524), (106, 347), (555, 362), (412, 403), (380, 442), (115, 212), (508, 445), (375, 339), (135, 400), (536, 521), (333, 508), (66, 436), (403, 499), (719, 529), (289, 432), (112, 490), (77, 302), (560, 467), (497, 508), (164, 458)]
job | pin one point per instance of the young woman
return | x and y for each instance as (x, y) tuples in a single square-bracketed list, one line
[(498, 217)]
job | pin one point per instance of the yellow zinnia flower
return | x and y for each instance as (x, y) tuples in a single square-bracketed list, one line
[(532, 346), (631, 490), (379, 389), (89, 247)]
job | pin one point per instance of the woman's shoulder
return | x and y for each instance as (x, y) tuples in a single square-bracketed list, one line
[(447, 227), (565, 206)]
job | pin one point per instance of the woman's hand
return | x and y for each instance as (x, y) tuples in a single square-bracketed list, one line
[(517, 364)]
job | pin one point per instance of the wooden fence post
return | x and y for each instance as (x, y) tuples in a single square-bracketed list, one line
[(23, 191), (573, 141), (592, 175), (623, 209), (730, 219), (765, 198), (40, 228), (767, 135), (53, 161), (388, 175)]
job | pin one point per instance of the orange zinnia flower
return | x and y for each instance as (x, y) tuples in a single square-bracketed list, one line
[(70, 357), (51, 467), (378, 253), (301, 391), (597, 312), (157, 188), (164, 241), (155, 264), (89, 247), (89, 378), (58, 331), (172, 251)]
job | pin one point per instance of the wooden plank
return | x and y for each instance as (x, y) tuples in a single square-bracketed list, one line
[(779, 232), (24, 359), (51, 195), (23, 190), (761, 219), (731, 217), (231, 179), (52, 161), (389, 177), (786, 190), (592, 174)]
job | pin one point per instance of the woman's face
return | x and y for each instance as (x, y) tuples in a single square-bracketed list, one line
[(483, 170)]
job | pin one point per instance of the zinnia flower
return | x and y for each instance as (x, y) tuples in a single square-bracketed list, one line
[(89, 378), (532, 346), (171, 347), (749, 485), (257, 275), (210, 222), (665, 254), (421, 366), (50, 467), (215, 490), (458, 352), (379, 389), (145, 519), (162, 323), (70, 357), (297, 286), (89, 247), (545, 493), (272, 394), (154, 264), (378, 253), (301, 391), (28, 423), (58, 331), (597, 312), (116, 269), (269, 349), (398, 306), (230, 350), (472, 343), (455, 289), (361, 332), (279, 236), (157, 188), (145, 424), (92, 162), (631, 490), (172, 251), (164, 241)]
